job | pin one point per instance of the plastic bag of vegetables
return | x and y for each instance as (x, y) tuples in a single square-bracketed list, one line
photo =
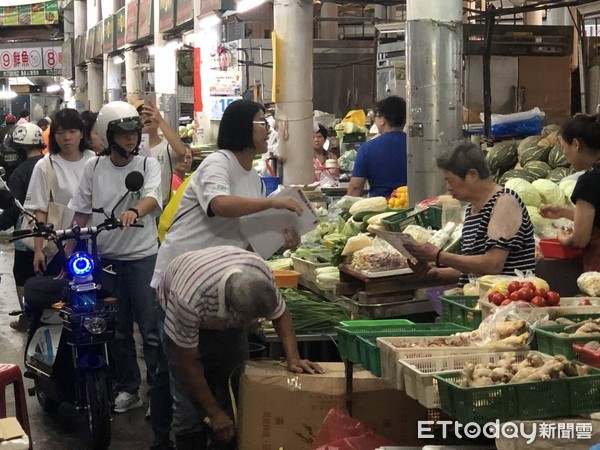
[(589, 283)]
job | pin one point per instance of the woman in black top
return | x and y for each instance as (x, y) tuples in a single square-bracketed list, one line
[(497, 235), (580, 141)]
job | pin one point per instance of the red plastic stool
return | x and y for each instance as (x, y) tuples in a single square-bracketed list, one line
[(10, 373)]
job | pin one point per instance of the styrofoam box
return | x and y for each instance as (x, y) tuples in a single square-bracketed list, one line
[(418, 373), (390, 354), (568, 305)]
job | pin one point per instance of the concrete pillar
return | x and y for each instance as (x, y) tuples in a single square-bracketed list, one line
[(80, 18), (434, 79), (95, 96), (133, 77), (94, 72), (112, 80), (329, 29), (294, 89), (165, 73)]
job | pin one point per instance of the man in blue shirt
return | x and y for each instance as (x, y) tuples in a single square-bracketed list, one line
[(382, 161)]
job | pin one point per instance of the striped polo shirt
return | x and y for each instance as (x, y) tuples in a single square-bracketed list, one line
[(189, 292), (476, 241)]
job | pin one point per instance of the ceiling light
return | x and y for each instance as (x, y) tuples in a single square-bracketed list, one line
[(53, 88), (118, 59), (7, 95)]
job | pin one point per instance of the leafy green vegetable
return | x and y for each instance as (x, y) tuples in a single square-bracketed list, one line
[(311, 312)]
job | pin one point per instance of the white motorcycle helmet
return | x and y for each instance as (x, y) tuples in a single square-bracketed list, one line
[(117, 117), (28, 135)]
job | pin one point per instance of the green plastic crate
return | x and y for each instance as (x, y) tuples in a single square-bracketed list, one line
[(460, 309), (428, 218), (349, 331), (549, 341), (395, 221), (519, 401), (351, 347)]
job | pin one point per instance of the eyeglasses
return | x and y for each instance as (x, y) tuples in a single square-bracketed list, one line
[(262, 122)]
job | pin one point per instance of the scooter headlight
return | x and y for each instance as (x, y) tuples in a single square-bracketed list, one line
[(94, 325), (80, 264)]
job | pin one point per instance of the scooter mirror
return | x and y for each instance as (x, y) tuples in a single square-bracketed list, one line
[(7, 199), (134, 181)]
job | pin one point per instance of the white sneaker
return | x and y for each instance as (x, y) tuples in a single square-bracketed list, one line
[(148, 411), (126, 401)]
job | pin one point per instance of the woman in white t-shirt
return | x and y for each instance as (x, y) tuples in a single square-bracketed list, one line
[(67, 156), (224, 188)]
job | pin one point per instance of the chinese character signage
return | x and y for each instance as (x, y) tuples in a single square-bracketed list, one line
[(26, 61), (131, 20), (166, 15), (120, 19), (145, 19), (45, 13), (108, 44), (184, 11)]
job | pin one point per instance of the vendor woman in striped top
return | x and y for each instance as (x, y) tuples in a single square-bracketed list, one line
[(497, 235)]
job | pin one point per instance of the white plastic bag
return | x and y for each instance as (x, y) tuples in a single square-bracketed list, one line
[(589, 283)]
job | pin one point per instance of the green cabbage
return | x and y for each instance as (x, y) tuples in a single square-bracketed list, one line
[(567, 186), (525, 190), (550, 192), (539, 223)]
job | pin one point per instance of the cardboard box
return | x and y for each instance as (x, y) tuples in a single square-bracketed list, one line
[(12, 436), (280, 409)]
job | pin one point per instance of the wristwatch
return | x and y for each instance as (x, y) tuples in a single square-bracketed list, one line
[(137, 213)]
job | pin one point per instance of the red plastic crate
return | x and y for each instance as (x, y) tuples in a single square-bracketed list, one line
[(587, 356), (551, 248)]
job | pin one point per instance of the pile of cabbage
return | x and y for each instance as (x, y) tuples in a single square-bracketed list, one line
[(543, 192)]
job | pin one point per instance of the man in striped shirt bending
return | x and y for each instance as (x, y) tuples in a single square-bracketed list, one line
[(209, 297)]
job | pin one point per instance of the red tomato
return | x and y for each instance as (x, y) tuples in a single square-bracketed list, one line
[(525, 294), (498, 298), (506, 302), (541, 292), (529, 284), (514, 296), (552, 298), (538, 301), (585, 302), (491, 296), (514, 286)]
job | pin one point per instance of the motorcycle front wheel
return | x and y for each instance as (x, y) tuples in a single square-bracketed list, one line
[(48, 404), (99, 401)]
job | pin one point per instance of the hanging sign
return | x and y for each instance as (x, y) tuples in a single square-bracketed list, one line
[(108, 43), (89, 43), (131, 17), (98, 39), (67, 59), (166, 15), (184, 11), (120, 18), (31, 60), (145, 19), (15, 14)]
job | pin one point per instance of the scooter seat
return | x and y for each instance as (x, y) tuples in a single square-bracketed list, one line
[(43, 292)]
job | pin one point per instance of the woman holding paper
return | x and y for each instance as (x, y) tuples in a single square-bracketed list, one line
[(224, 188), (497, 235)]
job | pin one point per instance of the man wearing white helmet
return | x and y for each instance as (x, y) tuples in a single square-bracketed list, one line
[(27, 141), (130, 251)]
